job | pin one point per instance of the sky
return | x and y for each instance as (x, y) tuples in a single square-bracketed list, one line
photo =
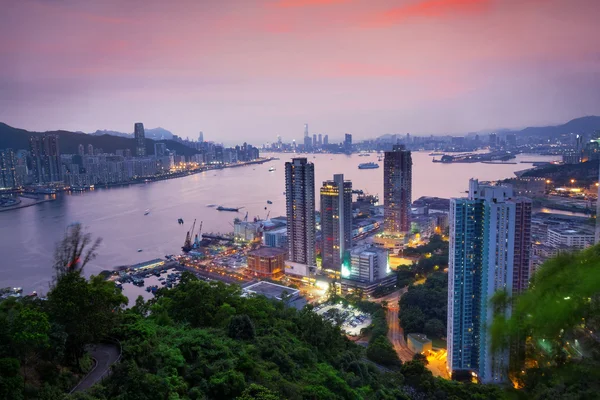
[(254, 69)]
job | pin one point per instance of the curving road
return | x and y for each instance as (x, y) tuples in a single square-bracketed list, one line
[(396, 334), (105, 355)]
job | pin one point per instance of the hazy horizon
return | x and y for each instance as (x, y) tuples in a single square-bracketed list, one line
[(242, 70)]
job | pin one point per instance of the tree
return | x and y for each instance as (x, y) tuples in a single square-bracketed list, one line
[(74, 251), (435, 327), (11, 382), (241, 328), (382, 352), (87, 310), (257, 392), (419, 357), (29, 334)]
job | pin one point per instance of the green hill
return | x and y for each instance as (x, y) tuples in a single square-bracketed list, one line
[(15, 138)]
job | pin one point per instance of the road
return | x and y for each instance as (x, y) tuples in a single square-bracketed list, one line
[(105, 355), (437, 360), (395, 332)]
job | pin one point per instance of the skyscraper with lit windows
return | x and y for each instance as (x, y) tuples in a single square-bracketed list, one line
[(140, 139), (300, 211), (490, 247), (397, 189), (336, 222)]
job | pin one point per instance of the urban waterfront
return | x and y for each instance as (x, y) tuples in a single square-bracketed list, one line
[(117, 214)]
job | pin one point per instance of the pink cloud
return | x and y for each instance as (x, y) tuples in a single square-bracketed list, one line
[(367, 70), (306, 3), (427, 9)]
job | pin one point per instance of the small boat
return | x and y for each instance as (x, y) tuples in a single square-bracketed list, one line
[(269, 202), (271, 169), (147, 212), (233, 209), (140, 250), (180, 221), (211, 205)]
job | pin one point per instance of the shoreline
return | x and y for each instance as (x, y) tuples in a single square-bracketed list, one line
[(21, 205)]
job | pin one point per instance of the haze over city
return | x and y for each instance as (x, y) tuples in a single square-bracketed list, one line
[(250, 70)]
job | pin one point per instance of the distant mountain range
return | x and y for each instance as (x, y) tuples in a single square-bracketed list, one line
[(154, 133), (587, 124), (15, 138)]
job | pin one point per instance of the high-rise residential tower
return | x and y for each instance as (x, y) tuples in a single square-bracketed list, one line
[(325, 140), (140, 139), (397, 188), (300, 210), (490, 246), (336, 222), (8, 174), (347, 143), (45, 158), (201, 137)]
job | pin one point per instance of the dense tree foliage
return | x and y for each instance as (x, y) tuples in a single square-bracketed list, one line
[(205, 341), (423, 308), (560, 317)]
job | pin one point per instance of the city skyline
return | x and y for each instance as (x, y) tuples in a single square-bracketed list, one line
[(266, 62)]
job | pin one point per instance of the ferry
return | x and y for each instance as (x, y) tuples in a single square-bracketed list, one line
[(271, 169), (369, 165)]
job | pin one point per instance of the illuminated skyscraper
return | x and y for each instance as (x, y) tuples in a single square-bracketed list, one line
[(397, 188), (490, 247), (336, 222), (140, 139), (300, 210)]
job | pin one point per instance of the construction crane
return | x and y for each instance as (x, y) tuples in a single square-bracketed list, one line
[(187, 245), (246, 217), (198, 236), (267, 217)]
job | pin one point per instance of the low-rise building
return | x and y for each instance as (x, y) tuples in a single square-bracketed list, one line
[(368, 270), (266, 262), (275, 238), (575, 238), (418, 343)]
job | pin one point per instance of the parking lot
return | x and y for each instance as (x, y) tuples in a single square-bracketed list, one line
[(352, 319)]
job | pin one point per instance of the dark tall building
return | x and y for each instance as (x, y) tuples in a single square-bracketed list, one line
[(336, 222), (45, 158), (8, 174), (493, 140), (140, 139), (160, 149), (347, 143), (300, 210), (397, 188)]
